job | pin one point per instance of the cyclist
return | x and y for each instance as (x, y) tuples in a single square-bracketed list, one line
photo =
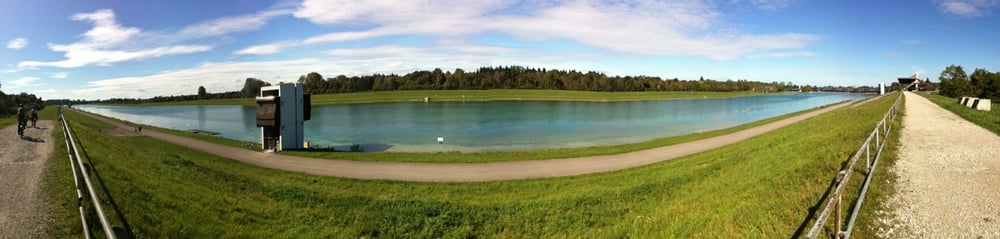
[(22, 120)]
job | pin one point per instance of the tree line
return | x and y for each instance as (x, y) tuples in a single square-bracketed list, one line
[(518, 77), (9, 103), (982, 83)]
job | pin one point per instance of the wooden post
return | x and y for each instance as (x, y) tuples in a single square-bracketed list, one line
[(838, 220)]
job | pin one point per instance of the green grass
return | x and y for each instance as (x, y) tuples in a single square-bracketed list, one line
[(882, 187), (989, 120), (477, 95), (7, 121), (760, 188)]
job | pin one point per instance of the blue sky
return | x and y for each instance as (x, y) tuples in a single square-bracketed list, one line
[(140, 49)]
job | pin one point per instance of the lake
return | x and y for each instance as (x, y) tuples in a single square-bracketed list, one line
[(486, 126)]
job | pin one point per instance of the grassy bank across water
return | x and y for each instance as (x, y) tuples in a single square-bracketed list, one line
[(759, 188), (989, 120), (477, 95)]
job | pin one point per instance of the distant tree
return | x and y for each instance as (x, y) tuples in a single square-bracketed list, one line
[(251, 88), (954, 82), (313, 83), (202, 92), (807, 89)]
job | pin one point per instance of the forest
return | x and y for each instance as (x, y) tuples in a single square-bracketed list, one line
[(518, 77)]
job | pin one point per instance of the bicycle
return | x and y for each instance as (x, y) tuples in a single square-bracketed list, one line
[(20, 129)]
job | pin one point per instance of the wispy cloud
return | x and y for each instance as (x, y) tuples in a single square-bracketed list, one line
[(968, 8), (106, 43), (782, 54), (110, 42), (17, 43), (771, 5), (914, 42), (24, 81), (229, 25), (677, 27), (59, 75)]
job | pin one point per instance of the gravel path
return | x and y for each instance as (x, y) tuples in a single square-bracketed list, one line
[(23, 212), (949, 176), (473, 172)]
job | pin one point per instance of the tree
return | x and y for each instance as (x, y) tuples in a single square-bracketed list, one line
[(202, 92), (313, 83), (954, 82), (978, 81), (251, 88)]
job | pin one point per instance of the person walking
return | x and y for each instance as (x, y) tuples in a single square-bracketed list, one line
[(34, 118)]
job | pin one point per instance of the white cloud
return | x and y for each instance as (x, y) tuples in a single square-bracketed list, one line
[(228, 25), (914, 42), (17, 43), (771, 5), (968, 8), (782, 54), (24, 81), (106, 43), (265, 49), (59, 75), (648, 27), (230, 76)]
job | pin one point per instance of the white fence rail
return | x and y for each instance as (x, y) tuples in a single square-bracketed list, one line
[(876, 139)]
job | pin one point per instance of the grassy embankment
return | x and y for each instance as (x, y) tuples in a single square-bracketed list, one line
[(760, 188), (989, 120), (477, 95)]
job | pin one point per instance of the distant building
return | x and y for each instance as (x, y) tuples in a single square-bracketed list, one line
[(919, 86)]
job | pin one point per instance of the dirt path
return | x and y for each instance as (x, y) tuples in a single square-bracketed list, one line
[(473, 172), (23, 213), (949, 172)]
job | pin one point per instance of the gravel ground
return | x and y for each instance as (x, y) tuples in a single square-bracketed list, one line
[(23, 212), (949, 172)]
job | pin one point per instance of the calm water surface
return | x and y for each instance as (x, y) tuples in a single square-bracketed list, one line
[(486, 126)]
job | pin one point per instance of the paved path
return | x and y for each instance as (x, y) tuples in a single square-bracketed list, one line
[(23, 212), (473, 172), (949, 176)]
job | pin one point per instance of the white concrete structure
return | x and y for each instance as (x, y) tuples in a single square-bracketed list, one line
[(983, 104)]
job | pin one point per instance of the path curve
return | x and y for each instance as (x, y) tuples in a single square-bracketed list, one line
[(473, 172), (23, 209), (948, 171)]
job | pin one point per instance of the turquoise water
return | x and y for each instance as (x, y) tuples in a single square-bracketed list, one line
[(486, 126)]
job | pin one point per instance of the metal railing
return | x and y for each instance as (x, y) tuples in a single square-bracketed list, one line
[(80, 172), (878, 136)]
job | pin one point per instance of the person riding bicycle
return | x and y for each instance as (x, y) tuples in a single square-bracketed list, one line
[(22, 120)]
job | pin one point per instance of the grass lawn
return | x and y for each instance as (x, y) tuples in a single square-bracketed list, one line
[(477, 95), (760, 188), (989, 120), (7, 121)]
